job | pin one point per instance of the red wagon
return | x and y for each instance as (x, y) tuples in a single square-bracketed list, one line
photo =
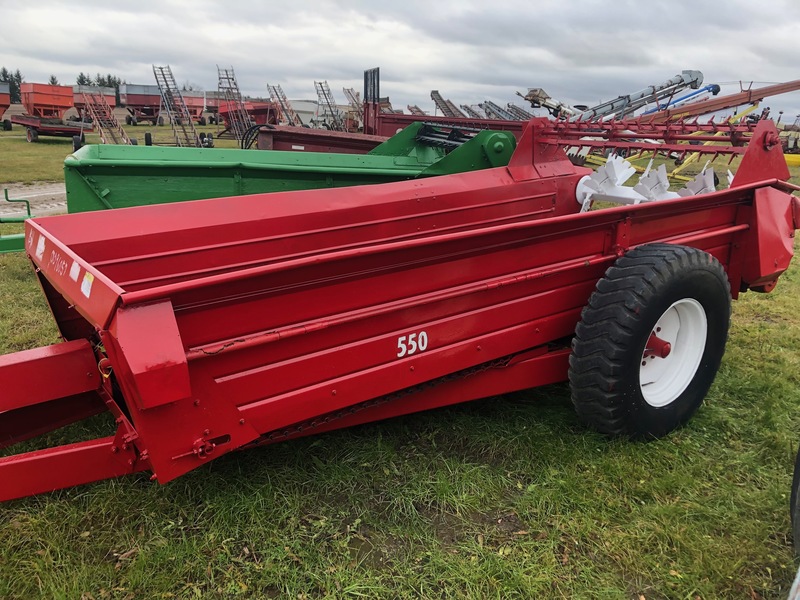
[(79, 92), (143, 103), (196, 104), (46, 101), (261, 113), (208, 326), (45, 107)]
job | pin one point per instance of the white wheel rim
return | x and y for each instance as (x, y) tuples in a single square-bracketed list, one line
[(685, 327)]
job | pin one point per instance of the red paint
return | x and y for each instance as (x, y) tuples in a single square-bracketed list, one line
[(240, 321)]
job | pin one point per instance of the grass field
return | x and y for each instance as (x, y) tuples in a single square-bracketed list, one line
[(24, 162), (506, 497)]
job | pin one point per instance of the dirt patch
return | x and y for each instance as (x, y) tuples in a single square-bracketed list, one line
[(504, 526), (46, 198)]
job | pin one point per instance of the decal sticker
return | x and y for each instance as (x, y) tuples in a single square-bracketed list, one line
[(74, 271), (40, 247), (86, 285)]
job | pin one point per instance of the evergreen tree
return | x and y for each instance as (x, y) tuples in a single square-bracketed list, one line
[(108, 80), (53, 80), (14, 84)]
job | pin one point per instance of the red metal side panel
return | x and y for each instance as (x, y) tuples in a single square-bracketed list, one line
[(541, 368), (142, 100), (94, 296), (316, 140), (46, 100), (194, 102), (77, 100), (770, 243), (148, 344), (179, 435)]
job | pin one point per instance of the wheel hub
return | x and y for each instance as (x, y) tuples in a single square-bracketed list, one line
[(673, 352), (657, 346)]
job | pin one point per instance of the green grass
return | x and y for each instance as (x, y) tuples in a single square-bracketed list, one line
[(502, 498), (24, 162)]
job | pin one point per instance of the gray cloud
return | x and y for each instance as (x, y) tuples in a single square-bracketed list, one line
[(582, 51)]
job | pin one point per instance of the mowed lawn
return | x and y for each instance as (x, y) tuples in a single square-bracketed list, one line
[(506, 497)]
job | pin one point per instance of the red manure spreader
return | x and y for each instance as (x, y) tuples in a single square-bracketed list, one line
[(216, 325)]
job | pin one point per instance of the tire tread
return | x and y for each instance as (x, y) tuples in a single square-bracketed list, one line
[(608, 327)]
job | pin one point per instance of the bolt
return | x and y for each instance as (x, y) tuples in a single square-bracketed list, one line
[(197, 402), (333, 392), (206, 431), (479, 348), (411, 368), (114, 449), (241, 421), (644, 363)]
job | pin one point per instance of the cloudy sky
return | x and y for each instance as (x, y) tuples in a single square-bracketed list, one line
[(580, 51)]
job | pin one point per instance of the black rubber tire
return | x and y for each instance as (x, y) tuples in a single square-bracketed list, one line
[(6, 125), (128, 120), (134, 142), (76, 143), (31, 135), (615, 326), (794, 505), (202, 121), (160, 121), (148, 139)]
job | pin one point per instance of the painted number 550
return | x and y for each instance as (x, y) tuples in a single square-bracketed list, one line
[(411, 344)]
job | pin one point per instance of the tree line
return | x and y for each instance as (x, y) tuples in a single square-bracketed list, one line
[(16, 79)]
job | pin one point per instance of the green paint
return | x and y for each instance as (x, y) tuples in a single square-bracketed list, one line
[(14, 242), (109, 176)]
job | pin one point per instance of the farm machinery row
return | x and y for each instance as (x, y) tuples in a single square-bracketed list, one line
[(201, 326), (103, 177)]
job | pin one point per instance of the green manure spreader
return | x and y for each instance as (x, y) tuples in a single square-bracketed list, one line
[(103, 177)]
